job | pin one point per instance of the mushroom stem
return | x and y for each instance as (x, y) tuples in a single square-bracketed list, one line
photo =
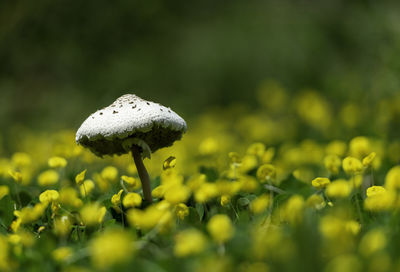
[(144, 176)]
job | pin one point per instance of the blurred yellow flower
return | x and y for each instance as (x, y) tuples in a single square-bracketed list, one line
[(48, 177), (373, 241), (338, 189), (177, 194), (21, 159), (352, 165), (332, 163), (133, 183), (380, 200), (181, 211), (374, 190), (316, 201), (360, 147), (260, 204), (69, 197), (62, 226), (206, 192), (392, 180), (292, 210), (61, 254), (344, 263), (49, 196), (92, 214), (220, 228), (367, 161), (111, 248), (256, 149), (57, 162), (337, 148), (4, 190), (320, 183), (225, 200), (132, 200), (266, 172), (208, 146), (16, 176), (86, 187), (189, 242), (110, 173), (80, 177)]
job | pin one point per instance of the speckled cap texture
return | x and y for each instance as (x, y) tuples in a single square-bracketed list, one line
[(130, 119)]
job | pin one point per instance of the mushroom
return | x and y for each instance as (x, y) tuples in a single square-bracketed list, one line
[(131, 124)]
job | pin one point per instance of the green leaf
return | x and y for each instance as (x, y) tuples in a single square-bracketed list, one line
[(243, 201), (200, 210)]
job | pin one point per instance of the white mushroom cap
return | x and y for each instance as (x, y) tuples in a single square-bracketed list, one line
[(130, 120)]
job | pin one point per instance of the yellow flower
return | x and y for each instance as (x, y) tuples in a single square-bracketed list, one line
[(57, 162), (111, 248), (69, 196), (375, 240), (80, 177), (344, 263), (260, 204), (189, 242), (256, 149), (92, 214), (332, 163), (266, 172), (352, 165), (16, 176), (316, 201), (320, 183), (177, 194), (234, 158), (62, 226), (132, 200), (360, 147), (86, 187), (392, 180), (4, 190), (30, 214), (380, 200), (170, 162), (374, 190), (181, 211), (133, 183), (49, 196), (109, 173), (61, 254), (208, 146), (116, 201), (149, 218), (292, 210), (220, 227), (248, 184), (48, 177), (225, 200), (367, 161), (334, 227), (206, 192), (21, 159), (337, 148), (338, 189)]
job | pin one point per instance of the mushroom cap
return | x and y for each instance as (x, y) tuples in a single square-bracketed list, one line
[(107, 131)]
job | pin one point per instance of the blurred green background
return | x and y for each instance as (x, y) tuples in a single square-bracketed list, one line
[(61, 60)]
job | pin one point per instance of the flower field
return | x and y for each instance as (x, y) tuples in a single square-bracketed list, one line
[(301, 182)]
